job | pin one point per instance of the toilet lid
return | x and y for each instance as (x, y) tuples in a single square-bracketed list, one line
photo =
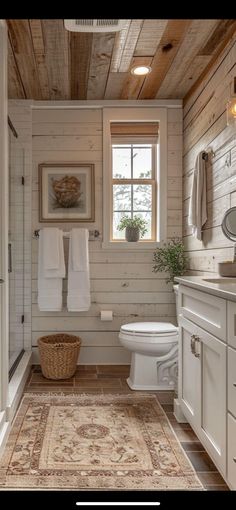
[(150, 328)]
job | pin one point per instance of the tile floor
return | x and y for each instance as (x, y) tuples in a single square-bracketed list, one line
[(112, 379)]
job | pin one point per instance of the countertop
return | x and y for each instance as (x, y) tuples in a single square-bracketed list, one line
[(225, 288)]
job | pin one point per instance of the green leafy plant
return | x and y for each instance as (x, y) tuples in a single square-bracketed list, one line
[(135, 222), (171, 258)]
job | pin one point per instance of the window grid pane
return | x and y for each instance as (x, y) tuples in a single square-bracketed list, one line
[(142, 162), (122, 197), (121, 162)]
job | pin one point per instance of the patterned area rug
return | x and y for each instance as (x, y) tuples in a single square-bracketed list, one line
[(94, 442)]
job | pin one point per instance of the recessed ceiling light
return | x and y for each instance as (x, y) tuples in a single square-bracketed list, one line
[(141, 70)]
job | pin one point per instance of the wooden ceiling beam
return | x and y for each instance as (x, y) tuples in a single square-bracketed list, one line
[(21, 43), (100, 64), (230, 35), (169, 45), (115, 85), (197, 35), (192, 73), (149, 37), (15, 86), (216, 37), (130, 44), (56, 40), (80, 54), (39, 53), (119, 45)]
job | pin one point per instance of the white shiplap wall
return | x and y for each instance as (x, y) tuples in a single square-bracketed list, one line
[(205, 128), (122, 282)]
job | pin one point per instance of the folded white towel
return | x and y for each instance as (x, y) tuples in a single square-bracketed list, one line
[(50, 280), (78, 298), (52, 253), (79, 247), (51, 247), (198, 206)]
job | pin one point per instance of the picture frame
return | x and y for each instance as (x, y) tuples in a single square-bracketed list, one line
[(66, 192)]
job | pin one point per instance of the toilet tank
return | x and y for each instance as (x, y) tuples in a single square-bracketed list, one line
[(176, 291)]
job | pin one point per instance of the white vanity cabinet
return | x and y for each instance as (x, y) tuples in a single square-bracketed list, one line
[(207, 373), (202, 390)]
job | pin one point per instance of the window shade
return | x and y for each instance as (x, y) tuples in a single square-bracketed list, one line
[(135, 129)]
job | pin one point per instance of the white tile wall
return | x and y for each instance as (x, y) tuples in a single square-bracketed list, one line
[(21, 116)]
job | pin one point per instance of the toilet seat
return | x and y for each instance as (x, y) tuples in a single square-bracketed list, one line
[(149, 329)]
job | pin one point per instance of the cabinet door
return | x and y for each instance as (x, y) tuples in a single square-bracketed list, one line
[(189, 373), (212, 425)]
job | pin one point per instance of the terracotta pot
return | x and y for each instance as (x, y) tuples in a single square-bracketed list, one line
[(132, 234)]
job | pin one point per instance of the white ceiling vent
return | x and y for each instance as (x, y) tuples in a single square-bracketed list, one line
[(94, 25)]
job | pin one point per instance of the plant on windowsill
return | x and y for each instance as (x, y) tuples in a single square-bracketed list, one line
[(134, 228), (171, 259)]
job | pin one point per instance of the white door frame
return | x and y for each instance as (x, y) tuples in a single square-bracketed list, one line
[(4, 337)]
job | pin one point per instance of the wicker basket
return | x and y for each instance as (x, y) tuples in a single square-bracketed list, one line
[(58, 355)]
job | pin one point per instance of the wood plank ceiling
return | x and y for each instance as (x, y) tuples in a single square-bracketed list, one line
[(46, 62)]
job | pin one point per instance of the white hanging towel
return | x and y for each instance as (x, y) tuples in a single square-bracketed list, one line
[(198, 206), (78, 298), (51, 269)]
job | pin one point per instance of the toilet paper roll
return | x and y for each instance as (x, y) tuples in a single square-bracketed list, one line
[(106, 315)]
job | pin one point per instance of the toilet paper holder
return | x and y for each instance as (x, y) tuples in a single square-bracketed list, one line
[(106, 315)]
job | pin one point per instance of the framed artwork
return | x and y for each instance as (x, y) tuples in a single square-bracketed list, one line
[(66, 192)]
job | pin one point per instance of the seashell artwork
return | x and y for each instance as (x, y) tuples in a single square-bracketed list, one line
[(67, 191)]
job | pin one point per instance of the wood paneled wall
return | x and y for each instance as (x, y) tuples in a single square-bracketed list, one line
[(120, 281), (205, 128)]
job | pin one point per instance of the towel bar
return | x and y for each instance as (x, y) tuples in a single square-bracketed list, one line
[(93, 233)]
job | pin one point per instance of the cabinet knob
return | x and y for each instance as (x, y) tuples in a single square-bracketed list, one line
[(1, 280), (234, 459), (234, 384)]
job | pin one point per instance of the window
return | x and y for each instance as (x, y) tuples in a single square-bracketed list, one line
[(134, 174), (134, 185)]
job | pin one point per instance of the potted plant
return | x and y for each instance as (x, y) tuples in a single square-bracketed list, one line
[(171, 258), (134, 228)]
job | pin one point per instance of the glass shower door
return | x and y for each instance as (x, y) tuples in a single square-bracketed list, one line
[(16, 253)]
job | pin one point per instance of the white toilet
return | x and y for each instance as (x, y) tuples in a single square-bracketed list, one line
[(154, 347)]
